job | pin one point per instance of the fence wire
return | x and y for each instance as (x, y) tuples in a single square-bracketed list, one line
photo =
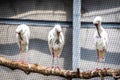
[(38, 50), (57, 10)]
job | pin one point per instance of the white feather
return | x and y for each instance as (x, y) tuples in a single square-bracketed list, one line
[(25, 34), (100, 42), (52, 37)]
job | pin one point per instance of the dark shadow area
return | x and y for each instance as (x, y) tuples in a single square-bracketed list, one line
[(9, 8), (6, 69), (67, 50), (109, 10), (22, 6), (42, 46), (90, 55), (39, 45), (103, 14), (9, 49), (13, 49), (96, 5), (59, 10)]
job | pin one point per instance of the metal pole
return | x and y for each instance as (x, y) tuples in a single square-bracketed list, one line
[(76, 34)]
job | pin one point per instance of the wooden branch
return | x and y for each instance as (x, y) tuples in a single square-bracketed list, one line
[(35, 68)]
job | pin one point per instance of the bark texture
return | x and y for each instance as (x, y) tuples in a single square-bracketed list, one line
[(69, 74)]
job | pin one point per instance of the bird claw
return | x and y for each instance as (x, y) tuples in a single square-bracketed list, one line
[(25, 62), (96, 69), (57, 67), (50, 67), (20, 61), (54, 67), (105, 69)]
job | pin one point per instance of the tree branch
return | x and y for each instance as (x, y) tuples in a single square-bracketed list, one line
[(35, 68)]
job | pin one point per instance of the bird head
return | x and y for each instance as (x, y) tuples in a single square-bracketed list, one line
[(58, 29), (97, 21), (21, 29)]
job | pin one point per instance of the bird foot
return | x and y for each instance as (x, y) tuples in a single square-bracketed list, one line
[(54, 67), (57, 67), (50, 67), (97, 69), (20, 61), (105, 69), (25, 62)]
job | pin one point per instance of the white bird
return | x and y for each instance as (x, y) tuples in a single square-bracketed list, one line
[(100, 40), (23, 35), (56, 43)]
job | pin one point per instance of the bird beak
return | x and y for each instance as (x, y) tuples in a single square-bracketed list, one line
[(96, 25), (58, 33), (18, 33)]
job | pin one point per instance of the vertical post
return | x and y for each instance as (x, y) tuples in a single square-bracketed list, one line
[(76, 34)]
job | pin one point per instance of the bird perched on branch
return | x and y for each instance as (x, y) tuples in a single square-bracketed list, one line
[(23, 35), (100, 40), (56, 42)]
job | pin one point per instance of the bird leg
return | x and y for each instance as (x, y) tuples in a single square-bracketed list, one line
[(97, 58), (57, 66), (52, 64), (20, 52), (26, 55), (26, 58), (103, 59), (57, 59), (58, 56), (53, 58), (19, 59)]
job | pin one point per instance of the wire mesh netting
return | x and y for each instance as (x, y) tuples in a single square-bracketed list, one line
[(88, 52), (37, 9), (109, 9), (58, 10), (38, 50)]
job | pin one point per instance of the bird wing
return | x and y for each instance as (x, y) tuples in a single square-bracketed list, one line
[(58, 47), (50, 40), (101, 42), (95, 37), (24, 43), (62, 38), (61, 44), (105, 38)]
